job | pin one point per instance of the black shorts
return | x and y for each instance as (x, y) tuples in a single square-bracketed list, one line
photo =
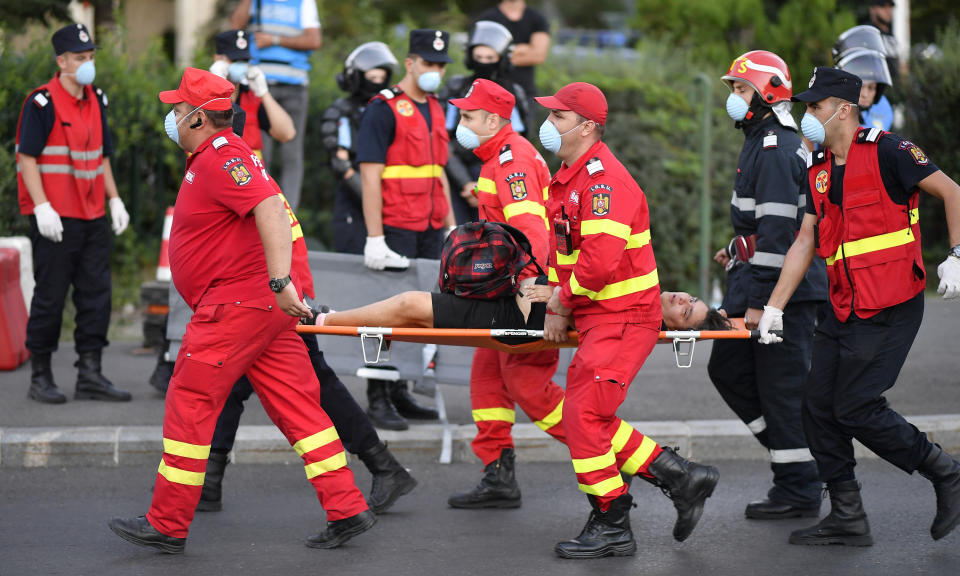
[(451, 311)]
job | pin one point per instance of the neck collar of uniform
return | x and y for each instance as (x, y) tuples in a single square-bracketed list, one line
[(491, 147), (754, 128), (565, 173), (206, 143)]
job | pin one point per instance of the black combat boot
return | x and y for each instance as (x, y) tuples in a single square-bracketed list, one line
[(941, 469), (339, 531), (845, 524), (139, 531), (407, 405), (380, 409), (212, 483), (390, 479), (768, 509), (605, 534), (688, 484), (42, 387), (497, 489), (91, 383)]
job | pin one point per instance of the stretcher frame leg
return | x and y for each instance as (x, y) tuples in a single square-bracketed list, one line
[(683, 347)]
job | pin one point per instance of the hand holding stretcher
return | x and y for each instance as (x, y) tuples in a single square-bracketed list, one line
[(513, 341)]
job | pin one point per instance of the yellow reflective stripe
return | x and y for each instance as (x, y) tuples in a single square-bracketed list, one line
[(297, 232), (636, 460), (178, 476), (875, 243), (425, 171), (638, 240), (567, 259), (585, 465), (335, 462), (315, 441), (552, 275), (494, 414), (546, 193), (604, 487), (617, 289), (526, 207), (486, 185), (551, 419), (177, 448), (622, 436), (589, 227)]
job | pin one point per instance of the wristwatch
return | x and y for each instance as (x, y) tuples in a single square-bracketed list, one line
[(278, 284), (955, 251)]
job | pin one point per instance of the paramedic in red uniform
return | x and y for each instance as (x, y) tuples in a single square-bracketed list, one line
[(63, 177), (864, 221), (402, 150), (230, 256), (511, 188), (605, 275)]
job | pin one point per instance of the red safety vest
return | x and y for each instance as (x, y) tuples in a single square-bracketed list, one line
[(71, 163), (251, 125), (413, 196), (871, 245)]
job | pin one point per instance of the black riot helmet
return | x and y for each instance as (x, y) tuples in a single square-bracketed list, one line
[(363, 58), (858, 37), (494, 35)]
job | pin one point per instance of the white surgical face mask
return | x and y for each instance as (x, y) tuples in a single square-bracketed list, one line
[(467, 137), (237, 72), (551, 138), (813, 130), (172, 127), (85, 73), (429, 81), (737, 107)]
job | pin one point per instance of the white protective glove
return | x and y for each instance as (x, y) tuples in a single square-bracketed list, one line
[(257, 81), (771, 320), (48, 222), (220, 68), (949, 273), (377, 255), (118, 215)]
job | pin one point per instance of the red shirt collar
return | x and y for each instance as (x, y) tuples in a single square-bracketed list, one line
[(566, 173), (207, 142), (492, 147)]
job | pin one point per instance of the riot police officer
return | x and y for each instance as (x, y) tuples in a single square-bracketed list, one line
[(763, 385), (366, 71), (488, 57), (859, 51)]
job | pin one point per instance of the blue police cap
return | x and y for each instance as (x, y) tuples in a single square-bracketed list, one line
[(431, 45), (827, 82), (72, 38), (234, 44)]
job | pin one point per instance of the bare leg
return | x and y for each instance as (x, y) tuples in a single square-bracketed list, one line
[(408, 310)]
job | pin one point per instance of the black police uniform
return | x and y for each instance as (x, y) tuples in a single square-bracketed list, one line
[(340, 128), (764, 384)]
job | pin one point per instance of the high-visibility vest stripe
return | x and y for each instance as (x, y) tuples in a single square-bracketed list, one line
[(526, 207), (602, 488), (311, 443), (494, 415), (617, 289), (401, 171), (875, 243), (185, 450), (551, 419), (178, 476), (634, 241), (486, 185), (335, 462), (586, 465)]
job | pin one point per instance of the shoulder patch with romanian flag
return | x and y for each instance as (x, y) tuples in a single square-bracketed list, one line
[(601, 199), (238, 171)]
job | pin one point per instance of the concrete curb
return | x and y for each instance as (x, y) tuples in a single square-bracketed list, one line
[(703, 440)]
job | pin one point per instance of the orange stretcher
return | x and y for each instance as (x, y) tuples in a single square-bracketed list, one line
[(514, 341)]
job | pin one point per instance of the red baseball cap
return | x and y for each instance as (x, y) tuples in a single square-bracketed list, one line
[(489, 96), (200, 88), (585, 99)]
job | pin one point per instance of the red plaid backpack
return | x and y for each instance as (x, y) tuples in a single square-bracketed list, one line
[(482, 260)]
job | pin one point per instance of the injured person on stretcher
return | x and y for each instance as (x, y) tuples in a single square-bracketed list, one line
[(526, 310)]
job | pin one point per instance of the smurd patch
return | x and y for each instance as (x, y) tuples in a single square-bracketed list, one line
[(405, 108), (822, 181), (482, 266), (601, 204)]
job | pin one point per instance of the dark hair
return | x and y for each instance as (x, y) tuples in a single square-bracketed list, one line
[(714, 320), (220, 118), (596, 126)]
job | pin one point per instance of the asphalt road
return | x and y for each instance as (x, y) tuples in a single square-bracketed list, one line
[(53, 521)]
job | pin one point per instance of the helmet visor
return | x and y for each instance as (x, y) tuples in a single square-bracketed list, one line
[(492, 34), (866, 37), (371, 55), (867, 65)]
